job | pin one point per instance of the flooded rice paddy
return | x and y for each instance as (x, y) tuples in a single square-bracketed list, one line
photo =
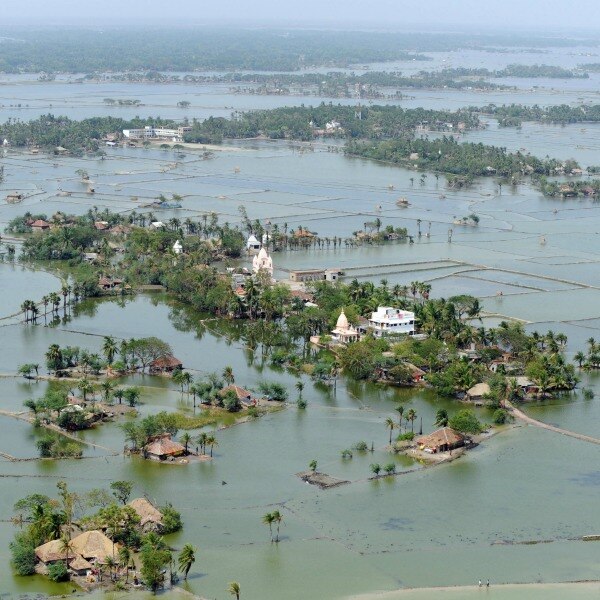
[(512, 510)]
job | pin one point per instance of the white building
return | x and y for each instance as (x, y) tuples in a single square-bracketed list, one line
[(392, 321), (177, 247), (263, 262), (252, 244), (161, 133), (344, 333)]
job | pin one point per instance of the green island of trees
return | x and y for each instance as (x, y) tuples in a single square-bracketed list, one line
[(123, 547)]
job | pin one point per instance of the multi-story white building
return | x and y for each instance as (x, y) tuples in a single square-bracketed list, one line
[(162, 133), (392, 321)]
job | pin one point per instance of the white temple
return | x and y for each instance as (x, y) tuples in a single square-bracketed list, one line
[(177, 247), (262, 261), (344, 333)]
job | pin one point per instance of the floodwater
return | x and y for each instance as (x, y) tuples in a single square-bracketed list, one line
[(513, 510)]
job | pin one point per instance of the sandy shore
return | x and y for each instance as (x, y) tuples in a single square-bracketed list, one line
[(508, 591)]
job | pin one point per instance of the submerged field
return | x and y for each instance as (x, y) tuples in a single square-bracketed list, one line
[(513, 510)]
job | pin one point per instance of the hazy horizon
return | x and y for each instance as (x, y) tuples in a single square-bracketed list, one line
[(428, 15)]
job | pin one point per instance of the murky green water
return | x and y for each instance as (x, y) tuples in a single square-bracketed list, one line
[(446, 526)]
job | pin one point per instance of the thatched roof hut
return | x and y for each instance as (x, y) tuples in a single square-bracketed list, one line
[(442, 440), (163, 447), (165, 364), (150, 516), (478, 391), (244, 396), (50, 552), (93, 545), (79, 565)]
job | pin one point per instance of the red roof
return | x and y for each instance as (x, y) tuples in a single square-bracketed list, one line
[(40, 223)]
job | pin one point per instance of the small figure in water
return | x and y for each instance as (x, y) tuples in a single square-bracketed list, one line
[(480, 584), (487, 583)]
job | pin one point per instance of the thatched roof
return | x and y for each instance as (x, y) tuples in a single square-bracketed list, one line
[(93, 545), (241, 393), (50, 552), (80, 564), (164, 446), (479, 390), (446, 436), (147, 512), (166, 362)]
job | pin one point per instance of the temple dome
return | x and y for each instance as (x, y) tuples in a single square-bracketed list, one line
[(342, 322)]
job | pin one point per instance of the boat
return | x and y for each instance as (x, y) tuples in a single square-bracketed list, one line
[(402, 202)]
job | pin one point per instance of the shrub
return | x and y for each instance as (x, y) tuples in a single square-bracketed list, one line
[(361, 446), (465, 421), (500, 416), (390, 468), (301, 403), (58, 572), (347, 453), (171, 519), (23, 555), (409, 435)]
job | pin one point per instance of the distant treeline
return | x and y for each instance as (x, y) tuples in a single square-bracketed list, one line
[(514, 114), (446, 155), (85, 51), (524, 71), (50, 132)]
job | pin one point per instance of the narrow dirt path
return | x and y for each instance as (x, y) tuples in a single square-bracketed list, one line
[(521, 415)]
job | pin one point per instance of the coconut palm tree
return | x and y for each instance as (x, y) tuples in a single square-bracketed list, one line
[(186, 558), (201, 441), (411, 415), (269, 519), (234, 589), (185, 439), (299, 387), (400, 410), (109, 348), (107, 388), (118, 394), (66, 546), (441, 418), (228, 375), (111, 564), (211, 441), (389, 423), (579, 358), (278, 519)]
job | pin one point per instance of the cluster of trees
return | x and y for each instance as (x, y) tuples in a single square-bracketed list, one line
[(295, 122), (43, 519), (446, 155), (591, 358), (518, 70), (570, 189), (514, 114)]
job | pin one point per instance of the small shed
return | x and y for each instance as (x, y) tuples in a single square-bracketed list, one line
[(40, 225)]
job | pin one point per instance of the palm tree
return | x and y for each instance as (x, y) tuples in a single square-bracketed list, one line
[(389, 423), (228, 375), (124, 560), (187, 557), (441, 418), (579, 358), (269, 519), (107, 387), (85, 387), (109, 348), (201, 441), (111, 563), (186, 438), (211, 441), (299, 387), (66, 546), (118, 394), (400, 410), (411, 415), (234, 589), (277, 518)]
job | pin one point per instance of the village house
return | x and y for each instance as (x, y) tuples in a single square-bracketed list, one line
[(108, 283), (162, 447), (244, 396), (40, 225), (478, 392), (165, 364), (151, 519), (306, 275), (88, 549), (442, 440), (252, 244)]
